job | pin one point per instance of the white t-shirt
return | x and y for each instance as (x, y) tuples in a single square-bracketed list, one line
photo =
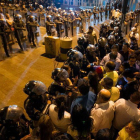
[(62, 124)]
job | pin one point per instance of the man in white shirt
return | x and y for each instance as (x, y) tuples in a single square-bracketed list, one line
[(126, 111), (103, 111)]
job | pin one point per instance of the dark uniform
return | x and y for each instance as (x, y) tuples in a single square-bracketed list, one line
[(32, 29), (19, 26), (36, 100), (13, 123), (4, 29), (58, 23), (49, 26)]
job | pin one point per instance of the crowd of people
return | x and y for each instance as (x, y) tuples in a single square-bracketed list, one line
[(19, 23), (94, 95)]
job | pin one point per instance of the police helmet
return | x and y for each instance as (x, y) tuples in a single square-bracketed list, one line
[(65, 14), (77, 56), (49, 17), (32, 18), (104, 25), (111, 23), (91, 48), (102, 41), (17, 17), (116, 28), (14, 122), (111, 37), (81, 40), (35, 87), (41, 6), (70, 53), (59, 73)]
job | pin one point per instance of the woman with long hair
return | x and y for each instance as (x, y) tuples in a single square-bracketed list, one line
[(81, 123), (94, 82), (58, 114)]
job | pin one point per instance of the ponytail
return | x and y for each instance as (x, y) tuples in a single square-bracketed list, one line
[(61, 111), (61, 105)]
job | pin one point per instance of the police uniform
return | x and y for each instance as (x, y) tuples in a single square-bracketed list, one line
[(3, 29), (19, 26)]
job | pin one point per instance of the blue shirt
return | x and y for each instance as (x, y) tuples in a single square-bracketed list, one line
[(86, 101)]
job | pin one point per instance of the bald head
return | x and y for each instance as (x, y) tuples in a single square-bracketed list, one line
[(104, 95)]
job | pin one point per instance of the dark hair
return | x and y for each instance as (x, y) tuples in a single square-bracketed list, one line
[(125, 65), (111, 65), (61, 105), (81, 120), (108, 82), (133, 38), (90, 28), (132, 56), (128, 46), (83, 86), (135, 96), (128, 73), (115, 46), (46, 127), (93, 81), (103, 134)]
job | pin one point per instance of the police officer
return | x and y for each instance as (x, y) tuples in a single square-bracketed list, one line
[(111, 41), (10, 35), (32, 29), (116, 33), (82, 22), (24, 12), (103, 30), (3, 32), (80, 47), (91, 54), (102, 50), (106, 11), (36, 100), (101, 12), (75, 62), (49, 26), (19, 26), (72, 17), (17, 9), (58, 86), (58, 23), (111, 27), (13, 123), (11, 10), (94, 13), (40, 12), (66, 20)]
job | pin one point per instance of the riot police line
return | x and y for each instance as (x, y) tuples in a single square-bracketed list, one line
[(23, 24), (13, 123)]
